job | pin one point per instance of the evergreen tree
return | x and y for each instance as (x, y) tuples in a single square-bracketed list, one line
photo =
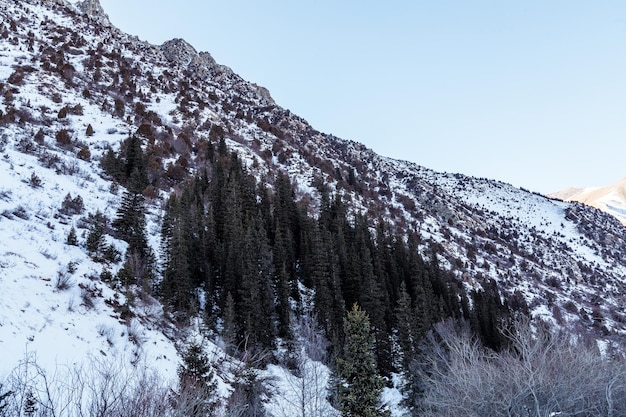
[(196, 382), (112, 165), (134, 161), (360, 385), (30, 404), (229, 330), (122, 166), (177, 288), (196, 368), (95, 241), (72, 239), (256, 307), (489, 316), (404, 319), (4, 400), (130, 222)]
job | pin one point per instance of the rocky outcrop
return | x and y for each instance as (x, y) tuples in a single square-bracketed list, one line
[(203, 66), (94, 10), (179, 51), (264, 93)]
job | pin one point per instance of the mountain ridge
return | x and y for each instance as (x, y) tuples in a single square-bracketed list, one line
[(61, 73), (609, 198), (270, 137)]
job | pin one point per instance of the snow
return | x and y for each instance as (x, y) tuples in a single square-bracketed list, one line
[(37, 319), (35, 316), (60, 329), (297, 396), (610, 198)]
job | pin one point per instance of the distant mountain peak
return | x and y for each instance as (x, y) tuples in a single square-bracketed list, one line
[(75, 90), (610, 198)]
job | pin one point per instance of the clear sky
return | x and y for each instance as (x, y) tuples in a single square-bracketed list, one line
[(528, 92)]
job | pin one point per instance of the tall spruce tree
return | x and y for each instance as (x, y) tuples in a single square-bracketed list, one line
[(195, 368), (95, 242), (176, 287), (360, 384), (404, 325), (130, 222), (196, 383)]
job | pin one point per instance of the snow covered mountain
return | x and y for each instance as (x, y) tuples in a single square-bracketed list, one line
[(610, 198), (73, 87)]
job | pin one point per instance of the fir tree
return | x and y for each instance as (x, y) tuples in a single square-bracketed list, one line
[(177, 289), (196, 382), (130, 222), (360, 385), (95, 242), (112, 165), (229, 331), (30, 404), (404, 319), (196, 368), (72, 240), (4, 400)]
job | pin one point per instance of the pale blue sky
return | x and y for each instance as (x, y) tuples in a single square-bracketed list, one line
[(528, 92)]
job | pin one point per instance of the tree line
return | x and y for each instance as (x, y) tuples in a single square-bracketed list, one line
[(240, 252)]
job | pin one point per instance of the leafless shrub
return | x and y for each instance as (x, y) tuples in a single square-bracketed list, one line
[(135, 332), (20, 212), (87, 298), (97, 388), (306, 387), (107, 332), (63, 280), (541, 374), (48, 159), (34, 180), (250, 386), (26, 145)]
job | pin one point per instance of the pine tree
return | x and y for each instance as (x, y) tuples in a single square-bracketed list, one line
[(95, 242), (196, 382), (196, 368), (404, 319), (130, 222), (30, 404), (72, 239), (360, 385), (4, 400)]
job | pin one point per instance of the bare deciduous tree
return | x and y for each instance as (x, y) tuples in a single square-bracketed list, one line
[(306, 389), (99, 389), (541, 374)]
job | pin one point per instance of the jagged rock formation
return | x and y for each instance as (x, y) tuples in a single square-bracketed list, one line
[(94, 10), (180, 52)]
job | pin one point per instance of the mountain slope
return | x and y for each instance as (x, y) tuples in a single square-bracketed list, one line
[(64, 68), (610, 198)]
